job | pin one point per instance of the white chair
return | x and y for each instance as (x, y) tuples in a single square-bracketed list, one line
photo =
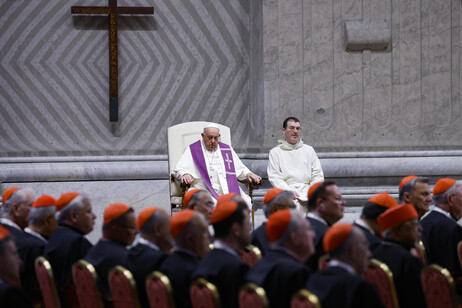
[(179, 137)]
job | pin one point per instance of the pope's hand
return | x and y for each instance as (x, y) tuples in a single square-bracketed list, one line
[(186, 179), (253, 178)]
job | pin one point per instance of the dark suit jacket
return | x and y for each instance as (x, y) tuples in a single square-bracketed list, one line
[(143, 261), (260, 240), (280, 275), (65, 247), (373, 240), (226, 271), (178, 267), (406, 273), (104, 256), (29, 248), (336, 287), (12, 296), (440, 235), (320, 229)]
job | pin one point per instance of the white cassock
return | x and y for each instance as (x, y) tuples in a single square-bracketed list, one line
[(294, 167), (215, 168)]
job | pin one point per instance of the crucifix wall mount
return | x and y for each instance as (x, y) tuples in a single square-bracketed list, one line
[(113, 11)]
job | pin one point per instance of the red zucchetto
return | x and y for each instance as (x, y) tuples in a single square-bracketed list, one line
[(277, 224), (114, 210), (179, 221), (396, 215), (335, 236), (443, 185)]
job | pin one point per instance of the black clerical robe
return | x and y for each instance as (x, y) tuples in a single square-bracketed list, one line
[(226, 271), (14, 297), (143, 261), (29, 248), (336, 287), (440, 235), (15, 232), (406, 272), (319, 229), (260, 239), (373, 240), (105, 255), (178, 267), (65, 247), (281, 275)]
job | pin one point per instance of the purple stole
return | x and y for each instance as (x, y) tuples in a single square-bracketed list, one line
[(199, 160)]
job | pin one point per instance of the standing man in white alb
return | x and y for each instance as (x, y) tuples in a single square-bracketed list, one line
[(293, 165), (214, 166)]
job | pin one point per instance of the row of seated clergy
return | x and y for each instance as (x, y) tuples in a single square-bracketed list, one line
[(120, 219)]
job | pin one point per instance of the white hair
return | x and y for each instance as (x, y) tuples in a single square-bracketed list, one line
[(76, 204), (19, 197), (37, 214)]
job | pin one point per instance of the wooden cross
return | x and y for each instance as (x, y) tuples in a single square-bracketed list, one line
[(113, 11)]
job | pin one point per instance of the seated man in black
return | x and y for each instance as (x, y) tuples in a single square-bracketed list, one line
[(282, 271), (190, 232), (68, 244), (16, 205), (401, 228), (223, 265), (341, 284), (42, 223), (372, 209), (325, 208), (119, 231), (10, 294), (275, 199), (154, 243)]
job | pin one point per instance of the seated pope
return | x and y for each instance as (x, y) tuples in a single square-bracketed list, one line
[(211, 165)]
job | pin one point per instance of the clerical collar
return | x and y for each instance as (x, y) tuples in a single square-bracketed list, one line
[(343, 265), (10, 223), (317, 217), (218, 244), (35, 234), (363, 224), (144, 241), (287, 146), (440, 210)]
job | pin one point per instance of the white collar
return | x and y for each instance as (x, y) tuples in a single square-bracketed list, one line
[(144, 241), (363, 224), (218, 244), (317, 217), (35, 234), (343, 265), (10, 223), (440, 210)]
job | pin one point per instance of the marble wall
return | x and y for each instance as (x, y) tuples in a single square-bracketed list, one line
[(406, 97)]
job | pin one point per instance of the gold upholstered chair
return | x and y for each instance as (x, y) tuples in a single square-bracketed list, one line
[(123, 288), (380, 276), (204, 294), (438, 287), (252, 295), (47, 283), (305, 299)]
